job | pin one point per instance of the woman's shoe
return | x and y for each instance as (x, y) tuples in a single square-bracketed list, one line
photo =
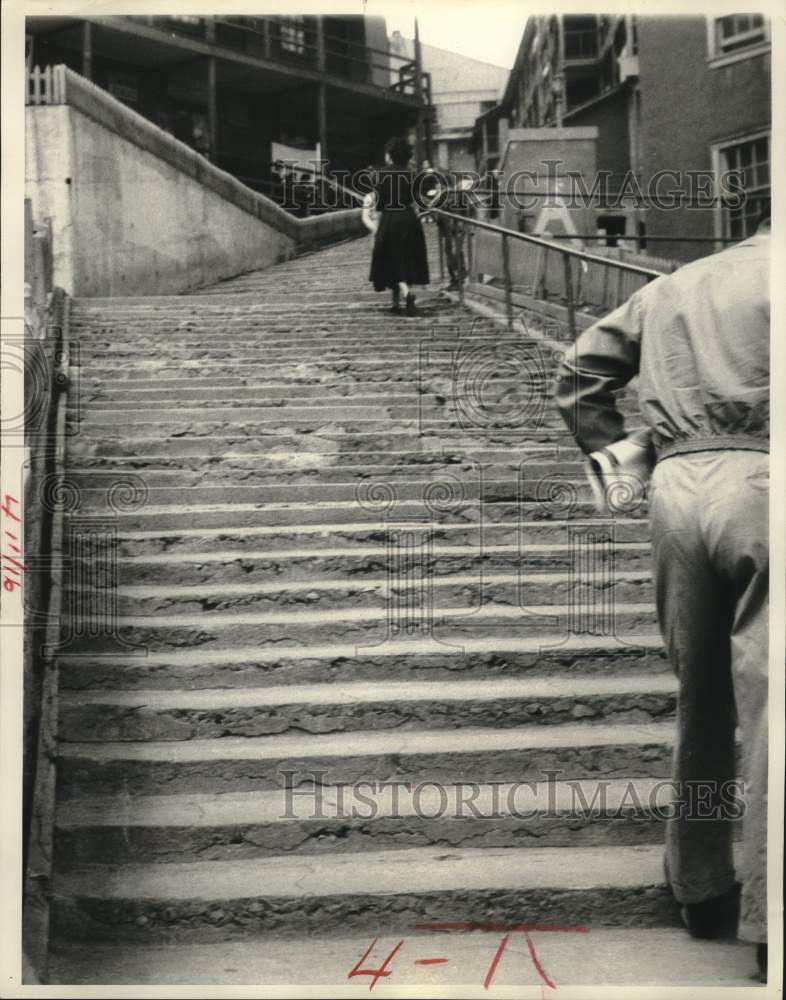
[(395, 308), (411, 311)]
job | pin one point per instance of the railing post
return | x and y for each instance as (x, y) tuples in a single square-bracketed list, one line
[(618, 296), (508, 281), (569, 295), (458, 243), (438, 222)]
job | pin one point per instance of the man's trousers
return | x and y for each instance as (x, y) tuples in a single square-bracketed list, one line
[(709, 514)]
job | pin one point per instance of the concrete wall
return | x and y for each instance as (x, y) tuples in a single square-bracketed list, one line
[(134, 211)]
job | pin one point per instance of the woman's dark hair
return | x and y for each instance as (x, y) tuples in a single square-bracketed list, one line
[(399, 150)]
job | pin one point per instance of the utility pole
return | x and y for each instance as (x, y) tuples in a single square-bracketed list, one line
[(419, 155)]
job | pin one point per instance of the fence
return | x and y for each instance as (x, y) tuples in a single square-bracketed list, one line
[(46, 353), (540, 269), (46, 86)]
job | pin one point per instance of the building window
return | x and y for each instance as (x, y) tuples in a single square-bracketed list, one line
[(293, 35), (750, 160), (738, 31), (123, 86), (737, 36)]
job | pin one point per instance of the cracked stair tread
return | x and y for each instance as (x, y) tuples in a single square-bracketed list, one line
[(368, 743), (391, 692), (663, 956), (365, 526), (356, 581), (362, 551), (573, 645), (266, 806), (488, 612), (394, 872)]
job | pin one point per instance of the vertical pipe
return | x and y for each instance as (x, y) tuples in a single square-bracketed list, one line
[(419, 142), (322, 121), (569, 295), (87, 50), (320, 37), (266, 37), (437, 219), (212, 109), (458, 243), (508, 281)]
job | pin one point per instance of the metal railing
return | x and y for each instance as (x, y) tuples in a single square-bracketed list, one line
[(295, 41), (549, 271)]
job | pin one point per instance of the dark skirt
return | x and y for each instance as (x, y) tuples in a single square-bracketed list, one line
[(399, 251)]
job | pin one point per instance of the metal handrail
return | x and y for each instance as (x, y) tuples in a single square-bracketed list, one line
[(646, 272), (506, 235)]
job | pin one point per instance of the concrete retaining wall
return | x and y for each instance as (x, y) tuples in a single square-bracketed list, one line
[(135, 211)]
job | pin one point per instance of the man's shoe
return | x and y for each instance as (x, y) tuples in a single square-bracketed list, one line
[(453, 285), (761, 961), (713, 918)]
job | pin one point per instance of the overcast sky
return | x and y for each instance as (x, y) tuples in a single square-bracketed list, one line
[(489, 30)]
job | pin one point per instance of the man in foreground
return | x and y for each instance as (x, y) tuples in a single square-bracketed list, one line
[(699, 339)]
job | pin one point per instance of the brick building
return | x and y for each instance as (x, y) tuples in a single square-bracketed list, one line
[(684, 94), (243, 90)]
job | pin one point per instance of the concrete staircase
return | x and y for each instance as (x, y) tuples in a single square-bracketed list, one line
[(348, 546)]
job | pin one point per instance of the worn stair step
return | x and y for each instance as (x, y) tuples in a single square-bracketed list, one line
[(93, 628), (301, 387), (329, 440), (534, 478), (316, 819), (330, 468), (328, 708), (606, 588), (538, 460), (238, 763), (289, 396), (409, 659), (589, 886), (427, 491), (267, 430), (219, 330), (220, 566), (388, 418), (138, 512), (517, 352), (93, 492), (535, 540), (602, 958)]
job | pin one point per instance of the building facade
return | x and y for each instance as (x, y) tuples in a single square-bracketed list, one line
[(677, 102), (461, 89), (244, 91)]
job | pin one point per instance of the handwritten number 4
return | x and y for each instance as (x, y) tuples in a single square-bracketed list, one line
[(376, 974)]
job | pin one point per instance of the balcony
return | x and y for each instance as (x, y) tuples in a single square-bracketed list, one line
[(339, 50), (580, 45)]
